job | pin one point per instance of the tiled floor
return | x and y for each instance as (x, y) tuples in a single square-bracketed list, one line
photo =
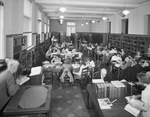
[(68, 101)]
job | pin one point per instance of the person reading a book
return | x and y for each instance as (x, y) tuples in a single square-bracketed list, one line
[(144, 79), (8, 85)]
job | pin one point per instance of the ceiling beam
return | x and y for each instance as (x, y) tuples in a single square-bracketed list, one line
[(82, 11), (80, 19), (86, 3), (75, 15)]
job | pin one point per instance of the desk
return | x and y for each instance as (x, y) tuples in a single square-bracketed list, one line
[(25, 102), (117, 109)]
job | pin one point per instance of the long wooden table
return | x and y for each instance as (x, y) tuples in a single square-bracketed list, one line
[(30, 100), (117, 109)]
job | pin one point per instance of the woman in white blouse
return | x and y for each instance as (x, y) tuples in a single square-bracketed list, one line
[(144, 79)]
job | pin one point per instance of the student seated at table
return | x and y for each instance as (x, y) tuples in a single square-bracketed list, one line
[(48, 53), (66, 70), (116, 60), (67, 60), (73, 52), (137, 55), (68, 53), (79, 55), (103, 74), (144, 79), (56, 60), (8, 85), (90, 63), (79, 73), (76, 66)]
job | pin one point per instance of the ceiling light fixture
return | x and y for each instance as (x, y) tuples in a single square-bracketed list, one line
[(61, 21), (86, 23), (93, 21), (61, 17), (125, 11), (82, 24), (104, 18), (62, 9)]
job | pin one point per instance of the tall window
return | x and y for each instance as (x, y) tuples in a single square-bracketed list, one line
[(27, 21), (48, 26), (40, 24), (45, 27), (71, 28), (2, 48)]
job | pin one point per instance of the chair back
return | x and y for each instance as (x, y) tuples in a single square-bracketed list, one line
[(97, 65), (84, 72)]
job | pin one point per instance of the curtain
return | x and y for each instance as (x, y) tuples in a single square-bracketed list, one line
[(2, 40)]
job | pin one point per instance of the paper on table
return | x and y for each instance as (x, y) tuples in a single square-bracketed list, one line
[(97, 80), (36, 70), (104, 103)]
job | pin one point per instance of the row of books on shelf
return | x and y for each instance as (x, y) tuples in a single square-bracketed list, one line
[(111, 90)]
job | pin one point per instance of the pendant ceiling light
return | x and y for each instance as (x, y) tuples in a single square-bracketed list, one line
[(61, 21), (62, 9), (93, 21), (61, 17), (125, 11), (104, 18)]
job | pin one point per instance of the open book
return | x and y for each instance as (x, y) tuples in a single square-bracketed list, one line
[(22, 80), (104, 103), (133, 110)]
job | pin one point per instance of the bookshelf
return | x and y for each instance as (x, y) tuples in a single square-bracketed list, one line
[(131, 43), (15, 44), (37, 49)]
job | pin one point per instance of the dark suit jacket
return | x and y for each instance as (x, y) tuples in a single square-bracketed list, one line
[(8, 87)]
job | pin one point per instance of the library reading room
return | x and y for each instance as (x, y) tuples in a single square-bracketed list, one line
[(74, 58)]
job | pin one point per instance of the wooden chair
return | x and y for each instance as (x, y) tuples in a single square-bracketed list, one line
[(48, 77), (83, 78), (66, 79), (97, 65)]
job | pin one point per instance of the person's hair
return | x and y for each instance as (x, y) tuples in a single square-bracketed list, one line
[(144, 78), (103, 70), (12, 62)]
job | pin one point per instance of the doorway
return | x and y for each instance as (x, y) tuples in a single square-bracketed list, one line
[(124, 26)]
